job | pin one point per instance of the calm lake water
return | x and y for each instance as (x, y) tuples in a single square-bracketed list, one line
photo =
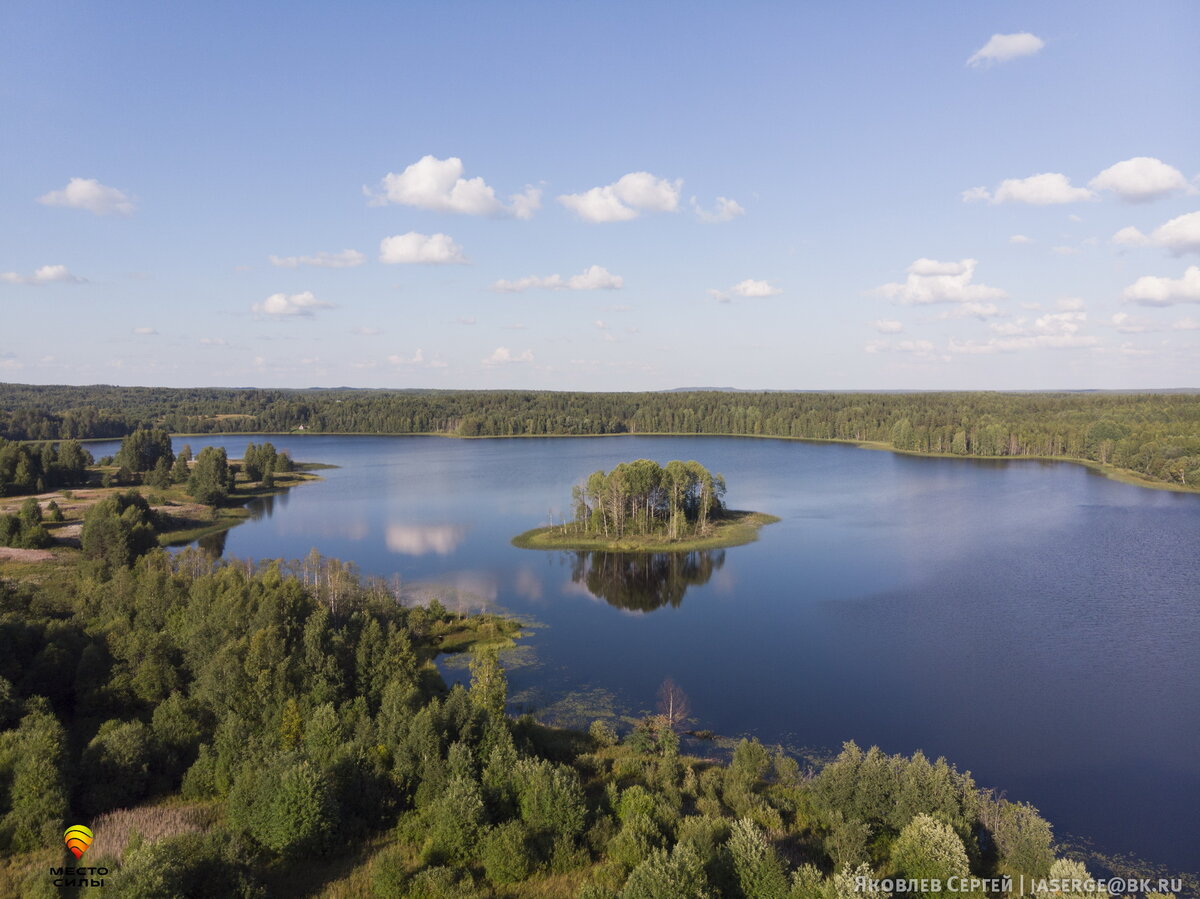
[(1035, 623)]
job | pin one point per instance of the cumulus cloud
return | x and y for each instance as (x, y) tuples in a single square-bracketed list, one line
[(748, 288), (1141, 179), (931, 281), (1180, 235), (1044, 189), (144, 332), (887, 326), (430, 249), (625, 199), (1151, 290), (344, 259), (47, 274), (438, 184), (1055, 330), (1072, 304), (212, 341), (282, 305), (502, 355), (593, 278), (1186, 324), (1020, 238), (90, 194), (725, 210), (1003, 47), (752, 288)]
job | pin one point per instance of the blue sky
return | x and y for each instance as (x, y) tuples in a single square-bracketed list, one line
[(601, 196)]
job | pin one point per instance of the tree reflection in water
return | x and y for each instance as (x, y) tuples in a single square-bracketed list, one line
[(213, 545), (644, 581)]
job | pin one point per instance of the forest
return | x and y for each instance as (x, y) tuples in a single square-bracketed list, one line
[(278, 729), (1155, 435)]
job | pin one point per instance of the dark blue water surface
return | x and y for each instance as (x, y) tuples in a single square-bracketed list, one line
[(1033, 622)]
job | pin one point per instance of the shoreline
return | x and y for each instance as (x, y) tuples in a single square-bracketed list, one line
[(737, 529)]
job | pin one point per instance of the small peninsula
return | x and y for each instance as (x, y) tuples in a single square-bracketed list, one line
[(641, 506)]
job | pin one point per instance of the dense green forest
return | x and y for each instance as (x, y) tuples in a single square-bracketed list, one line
[(1155, 435), (228, 729)]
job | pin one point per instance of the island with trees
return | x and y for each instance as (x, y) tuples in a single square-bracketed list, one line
[(642, 506)]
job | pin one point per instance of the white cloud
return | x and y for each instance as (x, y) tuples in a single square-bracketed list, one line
[(431, 249), (1003, 47), (886, 326), (212, 341), (1065, 251), (363, 331), (283, 305), (1150, 290), (1186, 324), (1129, 324), (1131, 237), (503, 356), (593, 278), (981, 311), (753, 288), (465, 320), (1020, 238), (725, 210), (625, 198), (1141, 179), (1072, 304), (1180, 235), (344, 259), (418, 358), (47, 274), (748, 288), (1044, 189), (144, 332), (437, 184), (930, 281), (1054, 330), (89, 194)]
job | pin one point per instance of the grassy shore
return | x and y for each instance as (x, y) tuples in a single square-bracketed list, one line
[(734, 528)]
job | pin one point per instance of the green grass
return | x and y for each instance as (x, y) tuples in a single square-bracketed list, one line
[(734, 528)]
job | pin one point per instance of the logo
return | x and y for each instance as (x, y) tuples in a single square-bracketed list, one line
[(78, 838)]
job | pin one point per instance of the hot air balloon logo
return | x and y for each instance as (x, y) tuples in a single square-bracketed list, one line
[(78, 838)]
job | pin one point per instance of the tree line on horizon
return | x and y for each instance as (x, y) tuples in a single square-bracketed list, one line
[(1155, 435)]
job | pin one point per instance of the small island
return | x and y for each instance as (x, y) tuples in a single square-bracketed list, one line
[(641, 506)]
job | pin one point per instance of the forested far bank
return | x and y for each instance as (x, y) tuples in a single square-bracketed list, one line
[(1155, 435)]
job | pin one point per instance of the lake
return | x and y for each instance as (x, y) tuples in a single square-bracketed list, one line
[(1034, 622)]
